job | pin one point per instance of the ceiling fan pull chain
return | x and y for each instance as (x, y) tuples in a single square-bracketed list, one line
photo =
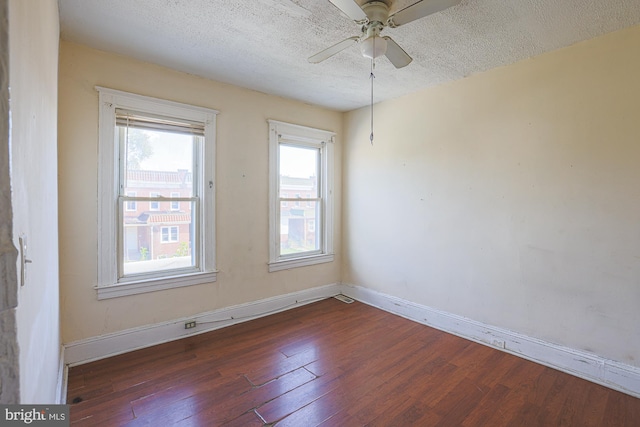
[(371, 77)]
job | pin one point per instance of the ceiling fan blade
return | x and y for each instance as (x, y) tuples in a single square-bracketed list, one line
[(398, 57), (351, 9), (419, 10), (330, 51)]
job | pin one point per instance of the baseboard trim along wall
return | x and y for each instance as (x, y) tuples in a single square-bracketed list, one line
[(609, 373), (95, 348)]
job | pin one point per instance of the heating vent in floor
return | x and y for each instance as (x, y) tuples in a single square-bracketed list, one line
[(343, 298)]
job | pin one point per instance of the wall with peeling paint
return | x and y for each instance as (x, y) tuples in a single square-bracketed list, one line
[(510, 197), (241, 201)]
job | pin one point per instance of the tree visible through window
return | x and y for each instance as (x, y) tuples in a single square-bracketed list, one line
[(161, 234), (161, 173)]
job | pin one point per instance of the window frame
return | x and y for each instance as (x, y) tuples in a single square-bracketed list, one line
[(108, 285), (296, 135)]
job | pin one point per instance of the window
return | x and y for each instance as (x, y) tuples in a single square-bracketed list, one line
[(169, 234), (131, 205), (154, 205), (149, 148), (175, 205), (300, 162)]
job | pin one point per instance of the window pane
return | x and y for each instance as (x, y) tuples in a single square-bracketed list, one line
[(298, 171), (154, 206), (158, 162), (158, 241), (131, 205), (175, 206), (299, 228)]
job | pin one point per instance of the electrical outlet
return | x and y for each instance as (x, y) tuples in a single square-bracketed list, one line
[(189, 325)]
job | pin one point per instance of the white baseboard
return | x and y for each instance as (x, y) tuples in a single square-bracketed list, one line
[(609, 373), (95, 348)]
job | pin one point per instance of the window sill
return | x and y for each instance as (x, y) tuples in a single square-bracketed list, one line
[(144, 286), (299, 262)]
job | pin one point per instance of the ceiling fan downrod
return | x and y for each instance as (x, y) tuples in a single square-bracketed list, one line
[(371, 77)]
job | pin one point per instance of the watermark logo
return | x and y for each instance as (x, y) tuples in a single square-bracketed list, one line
[(35, 415)]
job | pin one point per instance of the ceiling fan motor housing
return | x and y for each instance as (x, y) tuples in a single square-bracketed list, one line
[(373, 16), (371, 44), (376, 11)]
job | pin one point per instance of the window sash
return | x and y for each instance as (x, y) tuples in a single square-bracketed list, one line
[(196, 242), (159, 198), (298, 199), (133, 119), (317, 220), (125, 119)]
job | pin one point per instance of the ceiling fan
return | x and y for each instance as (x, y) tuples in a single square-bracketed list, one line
[(374, 17)]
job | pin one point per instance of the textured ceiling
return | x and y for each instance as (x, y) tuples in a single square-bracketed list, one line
[(264, 44)]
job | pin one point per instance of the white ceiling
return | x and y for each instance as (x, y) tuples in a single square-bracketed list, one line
[(264, 44)]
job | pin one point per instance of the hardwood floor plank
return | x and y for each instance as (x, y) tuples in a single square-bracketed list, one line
[(250, 419), (168, 393), (288, 403), (228, 410), (486, 407), (459, 403), (621, 410), (315, 413), (213, 395), (593, 408), (265, 374), (335, 364)]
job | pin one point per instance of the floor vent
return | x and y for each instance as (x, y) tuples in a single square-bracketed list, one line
[(343, 298)]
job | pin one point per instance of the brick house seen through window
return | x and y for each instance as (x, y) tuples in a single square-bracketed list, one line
[(162, 231)]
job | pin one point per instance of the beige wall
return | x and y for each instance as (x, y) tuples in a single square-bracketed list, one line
[(242, 193), (33, 70), (511, 197)]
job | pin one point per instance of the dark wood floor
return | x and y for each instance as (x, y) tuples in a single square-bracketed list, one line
[(335, 364)]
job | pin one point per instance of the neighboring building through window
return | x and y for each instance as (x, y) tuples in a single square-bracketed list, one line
[(301, 162), (166, 153)]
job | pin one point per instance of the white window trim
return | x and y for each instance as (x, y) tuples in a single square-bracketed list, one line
[(108, 169), (313, 137)]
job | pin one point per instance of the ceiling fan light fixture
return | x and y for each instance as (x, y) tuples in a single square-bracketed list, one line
[(373, 47)]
